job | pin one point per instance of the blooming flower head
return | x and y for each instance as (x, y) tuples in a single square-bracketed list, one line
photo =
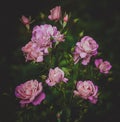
[(30, 92), (44, 35), (103, 66), (55, 76), (85, 49), (41, 35), (87, 90), (55, 13), (32, 52)]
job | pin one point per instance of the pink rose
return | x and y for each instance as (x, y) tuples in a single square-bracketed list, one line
[(55, 13), (55, 76), (44, 35), (87, 90), (32, 52), (58, 37), (103, 66), (30, 92), (85, 49), (25, 20), (41, 35)]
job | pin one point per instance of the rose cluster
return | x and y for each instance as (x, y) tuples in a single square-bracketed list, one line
[(31, 91), (42, 39)]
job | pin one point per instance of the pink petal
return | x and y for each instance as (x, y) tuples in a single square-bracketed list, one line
[(39, 99), (83, 54), (40, 59), (98, 62), (86, 60), (93, 99), (65, 80)]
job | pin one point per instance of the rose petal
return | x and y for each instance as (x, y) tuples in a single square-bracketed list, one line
[(39, 99)]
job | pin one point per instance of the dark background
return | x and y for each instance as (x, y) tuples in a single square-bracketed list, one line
[(100, 19)]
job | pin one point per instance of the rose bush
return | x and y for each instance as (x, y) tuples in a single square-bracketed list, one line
[(68, 83)]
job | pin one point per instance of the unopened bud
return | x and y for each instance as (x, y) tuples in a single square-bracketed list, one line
[(65, 19), (25, 20)]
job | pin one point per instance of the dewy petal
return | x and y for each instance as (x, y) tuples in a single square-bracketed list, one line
[(39, 99)]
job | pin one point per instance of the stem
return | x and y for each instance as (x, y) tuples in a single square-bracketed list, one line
[(59, 120)]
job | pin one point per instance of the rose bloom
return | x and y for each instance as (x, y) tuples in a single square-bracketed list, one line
[(103, 66), (85, 49), (58, 37), (41, 35), (55, 13), (87, 90), (30, 92), (32, 52), (55, 76), (44, 35)]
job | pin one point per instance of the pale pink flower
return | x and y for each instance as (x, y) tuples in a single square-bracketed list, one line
[(103, 66), (55, 13), (58, 37), (30, 92), (32, 52), (55, 76), (87, 90), (44, 35), (41, 35), (85, 49)]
